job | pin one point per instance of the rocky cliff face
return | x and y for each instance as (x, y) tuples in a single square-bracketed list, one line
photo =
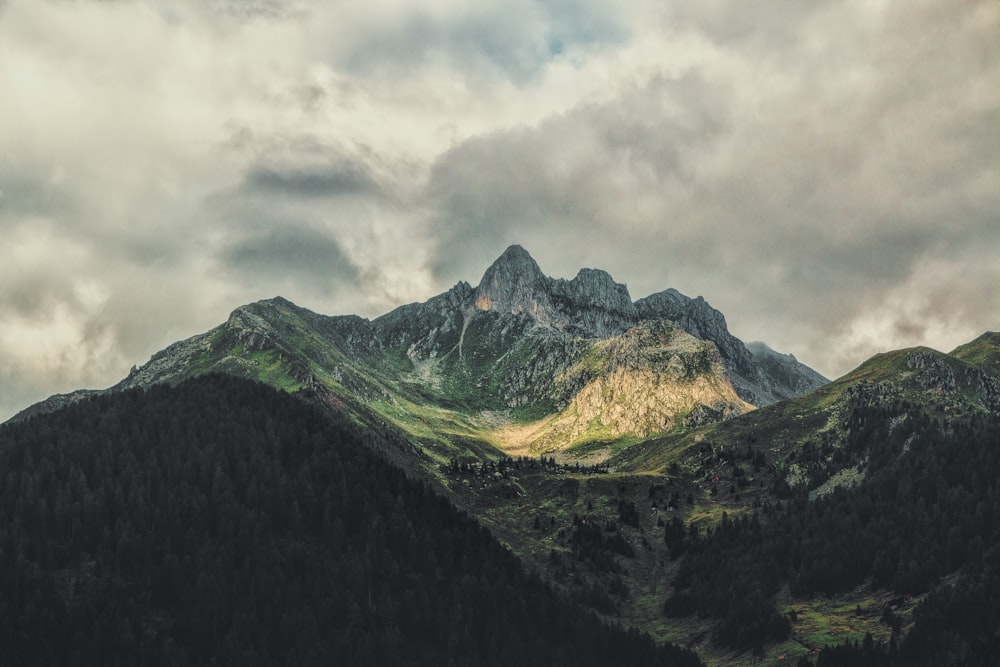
[(515, 284), (703, 321), (592, 304)]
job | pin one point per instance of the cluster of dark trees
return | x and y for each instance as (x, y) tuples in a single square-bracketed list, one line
[(596, 542), (928, 506), (852, 654), (507, 465), (221, 523)]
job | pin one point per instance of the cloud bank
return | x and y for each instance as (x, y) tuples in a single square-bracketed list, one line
[(827, 174)]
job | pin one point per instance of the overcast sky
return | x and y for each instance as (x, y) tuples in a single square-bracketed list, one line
[(827, 174)]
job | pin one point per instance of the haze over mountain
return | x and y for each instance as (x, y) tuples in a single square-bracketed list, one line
[(522, 362)]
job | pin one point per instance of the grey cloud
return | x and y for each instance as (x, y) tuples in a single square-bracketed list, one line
[(799, 216), (575, 181), (292, 252), (33, 294), (819, 174), (31, 188), (298, 166), (257, 9), (758, 24), (44, 195), (334, 179)]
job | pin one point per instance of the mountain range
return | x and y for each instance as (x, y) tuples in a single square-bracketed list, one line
[(521, 363), (645, 462)]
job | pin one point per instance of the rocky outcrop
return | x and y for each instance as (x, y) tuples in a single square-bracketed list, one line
[(871, 394), (759, 374), (989, 390), (429, 329), (702, 321), (55, 402), (593, 304), (170, 365), (935, 373)]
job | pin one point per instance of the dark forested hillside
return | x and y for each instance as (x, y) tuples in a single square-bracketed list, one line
[(929, 506), (221, 522)]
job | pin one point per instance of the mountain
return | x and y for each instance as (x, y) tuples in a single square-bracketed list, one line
[(857, 516), (522, 363), (222, 522)]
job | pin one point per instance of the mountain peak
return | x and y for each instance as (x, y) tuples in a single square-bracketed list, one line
[(514, 262), (513, 283), (515, 251), (598, 279)]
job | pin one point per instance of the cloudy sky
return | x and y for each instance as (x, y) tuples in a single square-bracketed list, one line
[(825, 173)]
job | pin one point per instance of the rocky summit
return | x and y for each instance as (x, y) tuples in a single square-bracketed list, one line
[(522, 363)]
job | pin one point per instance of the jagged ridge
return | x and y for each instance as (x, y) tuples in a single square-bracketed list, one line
[(520, 344)]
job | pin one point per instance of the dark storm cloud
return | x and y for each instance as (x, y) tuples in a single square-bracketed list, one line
[(339, 178), (29, 188), (292, 252)]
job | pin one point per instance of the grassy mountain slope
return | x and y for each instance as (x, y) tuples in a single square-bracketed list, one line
[(983, 353), (466, 384)]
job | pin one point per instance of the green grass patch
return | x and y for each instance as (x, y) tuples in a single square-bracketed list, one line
[(612, 446), (527, 414), (271, 370), (822, 621), (443, 434), (983, 352)]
